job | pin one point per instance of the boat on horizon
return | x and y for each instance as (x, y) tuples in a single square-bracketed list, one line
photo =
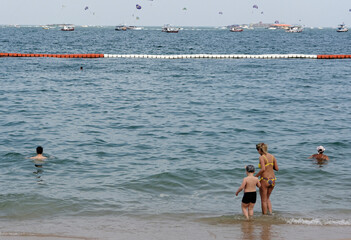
[(121, 28), (294, 29), (125, 28), (167, 28), (342, 28), (236, 29), (67, 28)]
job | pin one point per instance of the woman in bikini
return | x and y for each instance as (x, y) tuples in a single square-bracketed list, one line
[(268, 164)]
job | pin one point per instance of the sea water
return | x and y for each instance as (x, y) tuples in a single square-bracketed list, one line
[(168, 139)]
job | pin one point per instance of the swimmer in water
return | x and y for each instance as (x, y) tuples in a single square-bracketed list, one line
[(320, 157), (39, 155), (39, 158)]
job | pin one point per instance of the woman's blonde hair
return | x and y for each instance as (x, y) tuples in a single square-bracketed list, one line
[(262, 146)]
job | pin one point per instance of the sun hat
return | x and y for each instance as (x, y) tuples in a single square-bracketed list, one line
[(320, 149)]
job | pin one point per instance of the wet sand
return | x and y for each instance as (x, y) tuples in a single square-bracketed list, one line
[(153, 227)]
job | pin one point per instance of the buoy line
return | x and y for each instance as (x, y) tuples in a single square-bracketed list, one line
[(183, 56)]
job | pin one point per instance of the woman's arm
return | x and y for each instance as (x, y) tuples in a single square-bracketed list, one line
[(263, 167), (275, 164)]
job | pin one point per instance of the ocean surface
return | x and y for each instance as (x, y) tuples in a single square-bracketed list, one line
[(167, 140)]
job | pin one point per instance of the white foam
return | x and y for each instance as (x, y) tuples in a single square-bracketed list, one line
[(319, 222)]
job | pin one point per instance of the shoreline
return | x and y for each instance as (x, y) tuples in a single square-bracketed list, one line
[(155, 227)]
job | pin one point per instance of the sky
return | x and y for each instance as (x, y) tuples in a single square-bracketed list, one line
[(311, 13)]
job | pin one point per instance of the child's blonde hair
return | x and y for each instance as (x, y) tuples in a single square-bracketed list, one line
[(262, 146)]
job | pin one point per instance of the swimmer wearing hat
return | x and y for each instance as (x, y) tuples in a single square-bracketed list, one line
[(320, 156)]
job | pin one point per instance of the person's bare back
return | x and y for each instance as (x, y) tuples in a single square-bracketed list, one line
[(249, 186), (39, 155), (251, 183)]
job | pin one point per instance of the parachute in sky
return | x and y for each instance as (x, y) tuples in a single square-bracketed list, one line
[(221, 13), (184, 9), (138, 6), (86, 8), (255, 6), (262, 12)]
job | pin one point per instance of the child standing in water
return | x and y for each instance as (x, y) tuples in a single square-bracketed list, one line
[(249, 185)]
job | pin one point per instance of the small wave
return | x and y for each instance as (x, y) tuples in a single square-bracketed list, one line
[(40, 235), (275, 219), (13, 154), (319, 222), (239, 218)]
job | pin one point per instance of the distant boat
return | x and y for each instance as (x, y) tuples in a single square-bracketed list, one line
[(135, 28), (121, 28), (67, 28), (169, 29), (279, 26), (125, 28), (294, 29), (342, 28), (236, 29)]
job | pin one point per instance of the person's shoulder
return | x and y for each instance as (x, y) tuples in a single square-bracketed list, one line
[(247, 179), (38, 158), (251, 178)]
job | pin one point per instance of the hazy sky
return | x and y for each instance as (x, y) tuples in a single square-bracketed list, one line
[(326, 13)]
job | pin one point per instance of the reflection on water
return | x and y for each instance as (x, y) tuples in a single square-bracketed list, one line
[(266, 232), (39, 164), (252, 230), (260, 227), (320, 162), (247, 230)]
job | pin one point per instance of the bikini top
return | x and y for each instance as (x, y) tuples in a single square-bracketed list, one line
[(266, 160)]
